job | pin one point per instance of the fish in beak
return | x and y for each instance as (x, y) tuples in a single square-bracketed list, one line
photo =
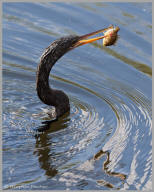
[(109, 38)]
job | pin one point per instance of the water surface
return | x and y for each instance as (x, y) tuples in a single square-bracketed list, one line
[(105, 141)]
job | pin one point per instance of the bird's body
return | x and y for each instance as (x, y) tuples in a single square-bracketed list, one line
[(55, 51), (53, 97)]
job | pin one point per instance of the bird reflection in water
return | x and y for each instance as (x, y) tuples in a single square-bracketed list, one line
[(43, 146), (43, 151), (99, 155)]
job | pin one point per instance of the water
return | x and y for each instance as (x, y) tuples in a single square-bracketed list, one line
[(105, 142)]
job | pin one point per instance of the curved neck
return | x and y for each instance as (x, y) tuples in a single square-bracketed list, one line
[(42, 82), (47, 95), (48, 59)]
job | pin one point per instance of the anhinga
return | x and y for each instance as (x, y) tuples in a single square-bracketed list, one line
[(57, 49)]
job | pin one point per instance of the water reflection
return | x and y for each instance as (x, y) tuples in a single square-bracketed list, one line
[(109, 90), (43, 146), (42, 150), (106, 163), (44, 142)]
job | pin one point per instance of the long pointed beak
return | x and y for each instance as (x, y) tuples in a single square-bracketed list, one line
[(83, 39)]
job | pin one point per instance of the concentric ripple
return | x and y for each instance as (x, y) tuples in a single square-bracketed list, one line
[(118, 123), (105, 141), (128, 138)]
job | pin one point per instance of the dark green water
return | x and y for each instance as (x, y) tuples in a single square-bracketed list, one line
[(105, 142)]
